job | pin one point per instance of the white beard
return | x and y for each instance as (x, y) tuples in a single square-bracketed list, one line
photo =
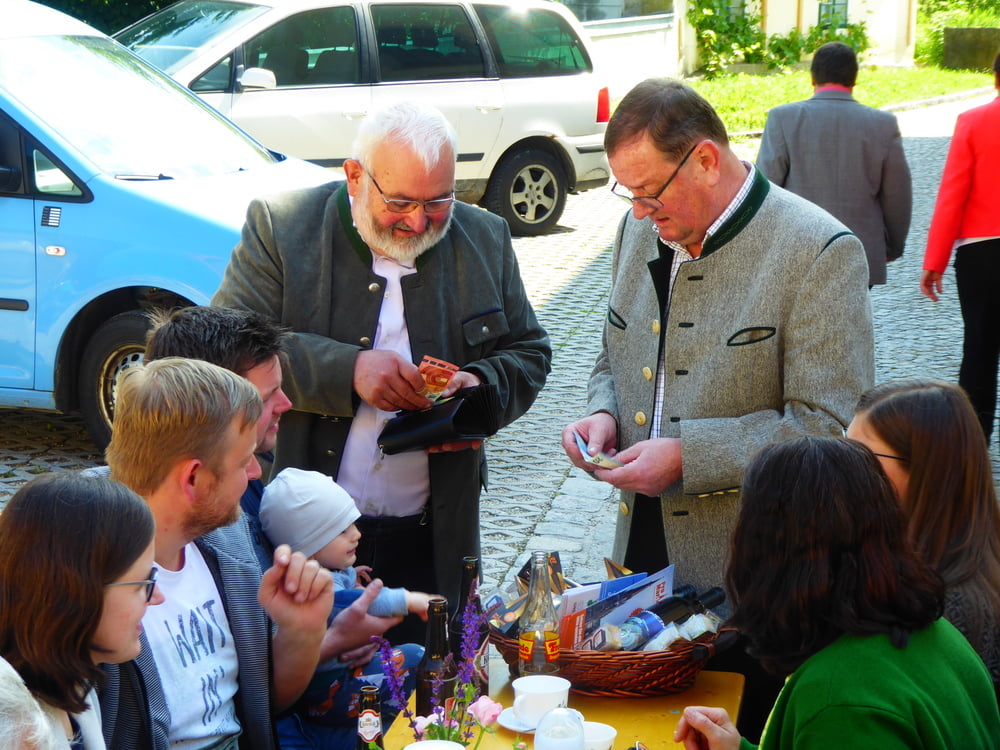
[(382, 240)]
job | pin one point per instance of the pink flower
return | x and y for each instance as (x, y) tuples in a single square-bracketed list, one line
[(485, 710), (420, 724)]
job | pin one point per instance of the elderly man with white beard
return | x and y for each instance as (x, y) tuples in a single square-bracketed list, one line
[(371, 275)]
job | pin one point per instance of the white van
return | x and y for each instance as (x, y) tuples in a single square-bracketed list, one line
[(515, 78)]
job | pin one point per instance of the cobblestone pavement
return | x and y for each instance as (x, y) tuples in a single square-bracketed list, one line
[(535, 499)]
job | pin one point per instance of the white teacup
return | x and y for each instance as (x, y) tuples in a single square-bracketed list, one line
[(537, 694), (598, 736)]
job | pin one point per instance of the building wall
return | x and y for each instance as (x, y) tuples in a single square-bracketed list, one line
[(631, 49)]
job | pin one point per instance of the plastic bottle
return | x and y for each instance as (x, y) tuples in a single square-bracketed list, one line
[(643, 625), (648, 623)]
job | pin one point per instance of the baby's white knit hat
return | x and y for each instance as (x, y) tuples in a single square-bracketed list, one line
[(305, 510)]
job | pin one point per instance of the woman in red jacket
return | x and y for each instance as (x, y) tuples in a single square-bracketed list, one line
[(966, 219)]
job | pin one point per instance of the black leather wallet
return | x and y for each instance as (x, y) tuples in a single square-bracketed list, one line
[(468, 414)]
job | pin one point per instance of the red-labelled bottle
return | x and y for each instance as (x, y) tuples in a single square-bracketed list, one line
[(369, 719), (538, 642)]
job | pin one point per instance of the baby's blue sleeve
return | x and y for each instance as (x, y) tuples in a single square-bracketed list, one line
[(389, 602)]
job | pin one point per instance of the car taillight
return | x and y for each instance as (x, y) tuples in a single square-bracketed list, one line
[(603, 105)]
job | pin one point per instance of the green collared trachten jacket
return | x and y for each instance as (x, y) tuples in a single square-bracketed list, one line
[(301, 262), (768, 336)]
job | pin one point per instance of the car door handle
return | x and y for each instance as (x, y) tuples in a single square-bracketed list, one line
[(484, 108), (355, 115)]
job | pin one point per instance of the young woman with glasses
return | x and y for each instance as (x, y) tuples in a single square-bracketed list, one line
[(930, 443), (76, 576)]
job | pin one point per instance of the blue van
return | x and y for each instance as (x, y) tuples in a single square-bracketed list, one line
[(120, 192)]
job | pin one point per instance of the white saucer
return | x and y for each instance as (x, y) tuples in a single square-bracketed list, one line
[(508, 720)]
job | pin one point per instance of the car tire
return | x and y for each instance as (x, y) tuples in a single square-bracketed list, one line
[(117, 345), (528, 189)]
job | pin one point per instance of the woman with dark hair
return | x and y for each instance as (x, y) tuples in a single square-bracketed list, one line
[(76, 576), (828, 590), (928, 439)]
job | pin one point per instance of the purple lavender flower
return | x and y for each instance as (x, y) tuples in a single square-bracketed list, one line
[(395, 681), (471, 628), (450, 718)]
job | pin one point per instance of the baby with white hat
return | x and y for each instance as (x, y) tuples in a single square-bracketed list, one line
[(314, 515)]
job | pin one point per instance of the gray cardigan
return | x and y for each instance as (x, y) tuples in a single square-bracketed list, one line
[(301, 262), (769, 335)]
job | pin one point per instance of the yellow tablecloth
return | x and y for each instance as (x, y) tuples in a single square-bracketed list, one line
[(649, 720)]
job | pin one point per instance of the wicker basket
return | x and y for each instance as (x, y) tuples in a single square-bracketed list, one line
[(629, 674)]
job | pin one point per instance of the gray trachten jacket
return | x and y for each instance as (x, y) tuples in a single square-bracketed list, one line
[(769, 335), (301, 262)]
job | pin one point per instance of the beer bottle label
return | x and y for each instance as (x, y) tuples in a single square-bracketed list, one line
[(369, 725)]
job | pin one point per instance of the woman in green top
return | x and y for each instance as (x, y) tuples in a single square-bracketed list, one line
[(828, 590)]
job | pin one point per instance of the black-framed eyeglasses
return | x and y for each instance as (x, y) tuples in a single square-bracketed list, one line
[(405, 206), (880, 455), (149, 583), (651, 202), (894, 458)]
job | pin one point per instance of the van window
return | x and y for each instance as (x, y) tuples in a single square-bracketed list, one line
[(533, 42), (98, 96), (179, 33), (319, 47), (217, 78), (426, 42), (49, 178)]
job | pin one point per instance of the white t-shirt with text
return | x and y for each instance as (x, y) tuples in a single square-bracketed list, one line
[(195, 655)]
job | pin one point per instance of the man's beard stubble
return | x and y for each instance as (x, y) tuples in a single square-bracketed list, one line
[(208, 514)]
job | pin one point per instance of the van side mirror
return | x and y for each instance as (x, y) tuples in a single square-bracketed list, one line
[(10, 179), (257, 78)]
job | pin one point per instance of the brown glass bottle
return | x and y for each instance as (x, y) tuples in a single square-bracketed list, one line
[(470, 603), (538, 642), (369, 718), (436, 670)]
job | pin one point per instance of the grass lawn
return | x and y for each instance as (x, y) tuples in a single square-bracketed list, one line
[(744, 100)]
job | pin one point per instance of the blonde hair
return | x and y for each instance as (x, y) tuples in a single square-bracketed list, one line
[(23, 720), (175, 409)]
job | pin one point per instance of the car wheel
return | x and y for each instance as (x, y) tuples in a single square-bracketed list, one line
[(528, 189), (117, 345)]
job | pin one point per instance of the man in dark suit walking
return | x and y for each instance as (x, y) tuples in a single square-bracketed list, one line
[(844, 157)]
